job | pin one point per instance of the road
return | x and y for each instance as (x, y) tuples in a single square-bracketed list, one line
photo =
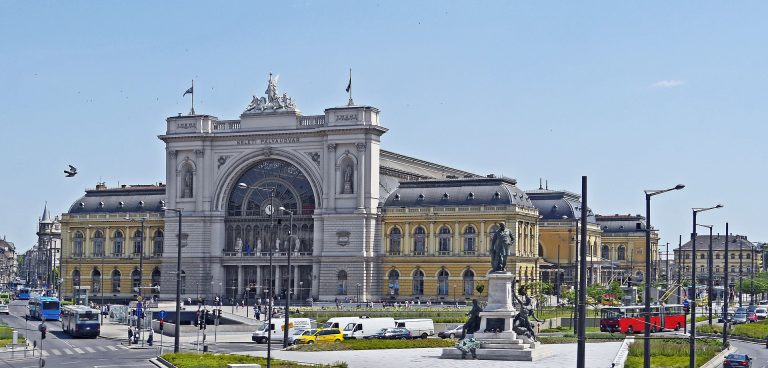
[(62, 350)]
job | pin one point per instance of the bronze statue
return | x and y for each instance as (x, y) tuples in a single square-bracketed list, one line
[(473, 322), (501, 243), (527, 303), (522, 326)]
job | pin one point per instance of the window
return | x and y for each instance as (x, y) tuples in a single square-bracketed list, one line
[(76, 278), (394, 282), (605, 252), (77, 249), (98, 243), (733, 255), (444, 241), (341, 278), (155, 279), (418, 282), (117, 247), (183, 282), (157, 243), (717, 269), (419, 241), (469, 282), (442, 282), (702, 256), (394, 241), (622, 256), (687, 256), (717, 256), (749, 256), (470, 239), (749, 269), (135, 280), (137, 239), (95, 280), (733, 268), (701, 269), (115, 281)]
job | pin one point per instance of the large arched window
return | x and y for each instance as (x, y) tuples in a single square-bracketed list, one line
[(117, 244), (95, 280), (394, 282), (77, 245), (470, 240), (155, 280), (442, 282), (621, 255), (419, 241), (469, 282), (341, 282), (292, 190), (76, 277), (605, 252), (444, 241), (137, 239), (98, 243), (157, 243), (115, 281), (394, 241), (135, 280), (418, 282)]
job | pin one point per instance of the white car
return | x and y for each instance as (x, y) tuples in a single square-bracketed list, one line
[(762, 313), (4, 309)]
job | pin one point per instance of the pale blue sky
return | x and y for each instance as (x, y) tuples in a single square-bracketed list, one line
[(636, 95)]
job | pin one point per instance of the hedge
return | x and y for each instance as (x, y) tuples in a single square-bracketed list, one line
[(208, 360), (372, 344)]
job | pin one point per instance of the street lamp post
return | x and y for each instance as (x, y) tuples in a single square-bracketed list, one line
[(710, 282), (726, 290), (741, 256), (358, 294), (647, 297), (141, 268), (288, 294), (692, 336), (177, 328)]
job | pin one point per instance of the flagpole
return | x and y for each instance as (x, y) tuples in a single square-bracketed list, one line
[(192, 112), (350, 103)]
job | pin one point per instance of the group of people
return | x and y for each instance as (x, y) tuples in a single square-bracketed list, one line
[(134, 335)]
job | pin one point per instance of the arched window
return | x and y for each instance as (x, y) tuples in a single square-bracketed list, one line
[(749, 269), (157, 243), (749, 256), (702, 256), (733, 269), (717, 255), (98, 243), (470, 239), (341, 282), (622, 253), (117, 246), (183, 282), (137, 239), (418, 282), (76, 278), (115, 281), (444, 241), (135, 280), (469, 282), (442, 282), (717, 269), (77, 249), (687, 255), (155, 280), (733, 255), (701, 269), (395, 237), (394, 282), (419, 241), (687, 268), (605, 252), (95, 280)]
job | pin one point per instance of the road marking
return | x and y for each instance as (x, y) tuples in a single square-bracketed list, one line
[(55, 352), (110, 347), (101, 348), (79, 350), (67, 351), (46, 353), (89, 349)]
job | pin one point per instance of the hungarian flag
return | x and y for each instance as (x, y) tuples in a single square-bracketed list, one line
[(188, 91)]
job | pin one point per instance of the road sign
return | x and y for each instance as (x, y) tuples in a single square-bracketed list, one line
[(138, 308), (162, 314), (686, 303)]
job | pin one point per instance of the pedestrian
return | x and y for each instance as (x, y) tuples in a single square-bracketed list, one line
[(257, 314), (151, 338), (130, 335)]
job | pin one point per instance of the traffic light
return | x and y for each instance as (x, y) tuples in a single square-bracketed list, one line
[(161, 324), (686, 310), (43, 329)]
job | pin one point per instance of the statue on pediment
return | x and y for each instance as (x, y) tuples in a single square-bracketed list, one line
[(273, 101)]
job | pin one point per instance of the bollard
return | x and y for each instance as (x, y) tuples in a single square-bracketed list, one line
[(205, 348), (15, 337)]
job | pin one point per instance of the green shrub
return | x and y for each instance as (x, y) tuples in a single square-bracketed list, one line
[(208, 360), (709, 329), (366, 344), (757, 330)]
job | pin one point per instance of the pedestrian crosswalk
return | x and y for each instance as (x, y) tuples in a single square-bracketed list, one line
[(83, 350)]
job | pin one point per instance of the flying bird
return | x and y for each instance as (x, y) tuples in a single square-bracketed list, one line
[(71, 172)]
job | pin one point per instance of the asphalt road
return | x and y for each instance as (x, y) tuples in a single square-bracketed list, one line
[(757, 352), (62, 350)]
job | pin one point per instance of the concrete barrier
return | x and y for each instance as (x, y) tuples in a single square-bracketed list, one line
[(233, 365)]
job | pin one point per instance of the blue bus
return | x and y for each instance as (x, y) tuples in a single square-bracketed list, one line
[(23, 294), (80, 321), (44, 308)]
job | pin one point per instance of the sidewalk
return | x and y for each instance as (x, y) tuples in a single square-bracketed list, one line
[(119, 332)]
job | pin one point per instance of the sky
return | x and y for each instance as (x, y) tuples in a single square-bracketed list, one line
[(634, 95)]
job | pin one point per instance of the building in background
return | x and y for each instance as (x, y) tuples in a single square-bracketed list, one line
[(48, 264), (102, 248), (745, 259), (623, 243), (8, 266)]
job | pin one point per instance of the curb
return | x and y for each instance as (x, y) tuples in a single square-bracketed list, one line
[(621, 355), (716, 361), (161, 363)]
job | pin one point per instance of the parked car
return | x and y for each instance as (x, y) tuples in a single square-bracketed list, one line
[(421, 327), (300, 332), (398, 333), (730, 316), (4, 309), (762, 313), (740, 316), (737, 360), (751, 317), (377, 335), (453, 332), (321, 336), (751, 308)]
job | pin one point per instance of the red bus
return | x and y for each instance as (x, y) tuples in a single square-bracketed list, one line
[(631, 319)]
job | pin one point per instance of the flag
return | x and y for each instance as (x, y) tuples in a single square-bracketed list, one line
[(188, 91), (349, 85)]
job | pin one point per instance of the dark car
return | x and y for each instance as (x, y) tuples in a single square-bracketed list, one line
[(377, 335), (737, 360), (453, 332), (393, 334)]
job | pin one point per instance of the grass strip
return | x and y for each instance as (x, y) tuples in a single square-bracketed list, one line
[(673, 353), (208, 360)]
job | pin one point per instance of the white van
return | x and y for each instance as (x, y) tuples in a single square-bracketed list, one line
[(339, 322), (418, 327), (365, 326), (278, 327)]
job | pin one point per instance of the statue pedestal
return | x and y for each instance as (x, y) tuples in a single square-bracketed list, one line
[(498, 341)]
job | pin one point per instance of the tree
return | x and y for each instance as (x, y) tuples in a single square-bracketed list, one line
[(596, 292), (569, 295), (480, 288)]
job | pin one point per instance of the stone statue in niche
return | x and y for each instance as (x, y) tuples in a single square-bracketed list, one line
[(186, 191), (348, 173)]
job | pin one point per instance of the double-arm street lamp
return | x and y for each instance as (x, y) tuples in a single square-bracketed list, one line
[(692, 336), (141, 267), (177, 329), (648, 270), (288, 293), (710, 278)]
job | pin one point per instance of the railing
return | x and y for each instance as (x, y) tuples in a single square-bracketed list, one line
[(418, 253), (469, 252), (264, 254), (226, 125), (394, 253), (444, 253), (312, 121)]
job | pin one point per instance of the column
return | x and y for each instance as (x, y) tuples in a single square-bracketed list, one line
[(332, 172), (315, 280), (277, 280), (240, 285), (361, 183), (295, 281), (430, 241), (458, 246), (406, 246), (258, 280), (480, 237)]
